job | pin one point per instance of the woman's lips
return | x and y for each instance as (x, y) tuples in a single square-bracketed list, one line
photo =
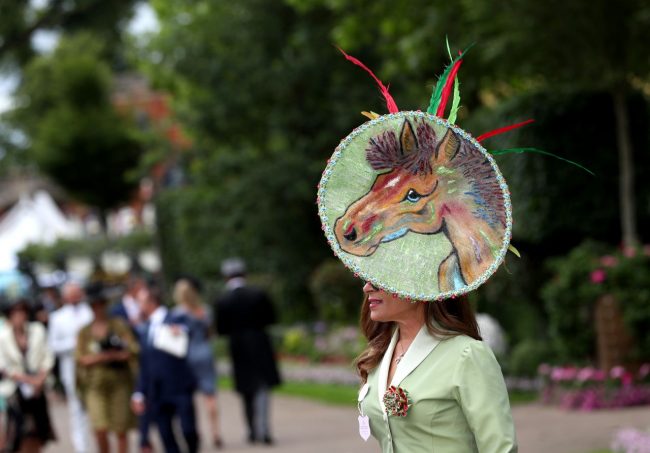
[(374, 303)]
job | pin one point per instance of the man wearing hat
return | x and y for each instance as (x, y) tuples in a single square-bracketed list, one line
[(243, 312)]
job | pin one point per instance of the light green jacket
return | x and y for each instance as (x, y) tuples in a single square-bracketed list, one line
[(459, 401)]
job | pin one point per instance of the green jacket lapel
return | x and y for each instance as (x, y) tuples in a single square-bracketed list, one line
[(421, 347)]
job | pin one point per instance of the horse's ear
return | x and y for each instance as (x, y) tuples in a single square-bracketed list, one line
[(448, 147), (407, 139)]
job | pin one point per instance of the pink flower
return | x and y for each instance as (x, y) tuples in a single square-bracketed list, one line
[(570, 373), (585, 374), (629, 252), (567, 373), (544, 369), (646, 250), (590, 401), (598, 276), (609, 261), (617, 372), (644, 370), (557, 374), (627, 379), (599, 375), (631, 439)]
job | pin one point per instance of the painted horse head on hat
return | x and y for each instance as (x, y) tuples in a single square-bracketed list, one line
[(429, 185)]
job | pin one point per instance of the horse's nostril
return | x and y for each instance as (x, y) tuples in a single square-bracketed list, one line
[(351, 234)]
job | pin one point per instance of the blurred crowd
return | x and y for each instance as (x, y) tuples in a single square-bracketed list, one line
[(123, 359)]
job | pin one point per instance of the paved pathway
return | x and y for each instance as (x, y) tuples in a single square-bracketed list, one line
[(545, 429), (302, 426)]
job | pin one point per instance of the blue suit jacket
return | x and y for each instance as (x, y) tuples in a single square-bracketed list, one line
[(163, 377), (118, 311)]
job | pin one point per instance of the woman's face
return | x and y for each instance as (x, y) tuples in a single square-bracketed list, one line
[(99, 309), (386, 308), (18, 316)]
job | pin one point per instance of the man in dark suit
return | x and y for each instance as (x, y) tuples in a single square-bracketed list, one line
[(242, 313), (166, 383), (128, 308)]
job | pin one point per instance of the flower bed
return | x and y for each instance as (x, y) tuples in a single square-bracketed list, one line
[(630, 440), (589, 388)]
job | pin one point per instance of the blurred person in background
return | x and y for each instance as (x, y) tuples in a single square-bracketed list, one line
[(166, 384), (492, 333), (128, 307), (3, 399), (65, 323), (25, 363), (48, 300), (243, 313), (51, 298), (200, 355), (107, 355)]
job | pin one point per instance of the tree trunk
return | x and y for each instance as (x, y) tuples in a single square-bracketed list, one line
[(614, 342), (626, 170)]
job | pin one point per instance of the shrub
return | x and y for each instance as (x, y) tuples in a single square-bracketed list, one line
[(526, 357), (587, 273), (336, 292)]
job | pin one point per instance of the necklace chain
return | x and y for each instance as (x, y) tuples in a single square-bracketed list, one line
[(399, 358)]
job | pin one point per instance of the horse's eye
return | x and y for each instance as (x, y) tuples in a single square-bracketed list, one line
[(412, 196)]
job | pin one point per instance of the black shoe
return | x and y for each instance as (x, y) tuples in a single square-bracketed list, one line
[(251, 438), (268, 440), (218, 443)]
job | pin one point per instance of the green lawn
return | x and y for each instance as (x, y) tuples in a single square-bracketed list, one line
[(344, 395), (521, 397)]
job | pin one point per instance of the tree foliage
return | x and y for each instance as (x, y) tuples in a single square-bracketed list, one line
[(73, 132), (266, 98), (21, 20)]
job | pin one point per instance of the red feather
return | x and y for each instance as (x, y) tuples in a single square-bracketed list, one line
[(390, 102), (501, 130), (447, 89)]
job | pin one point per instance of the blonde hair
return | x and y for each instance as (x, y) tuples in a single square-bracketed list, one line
[(186, 294)]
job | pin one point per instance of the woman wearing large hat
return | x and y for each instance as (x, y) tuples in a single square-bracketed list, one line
[(417, 208)]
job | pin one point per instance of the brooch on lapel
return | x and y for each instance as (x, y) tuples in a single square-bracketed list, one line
[(396, 400)]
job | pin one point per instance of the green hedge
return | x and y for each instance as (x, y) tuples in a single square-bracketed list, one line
[(588, 272)]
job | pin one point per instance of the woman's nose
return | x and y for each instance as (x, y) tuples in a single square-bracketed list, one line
[(367, 288)]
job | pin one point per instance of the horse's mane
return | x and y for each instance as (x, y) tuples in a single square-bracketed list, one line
[(385, 153), (484, 187)]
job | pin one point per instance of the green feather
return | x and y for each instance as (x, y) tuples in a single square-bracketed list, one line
[(455, 104), (498, 152), (437, 92)]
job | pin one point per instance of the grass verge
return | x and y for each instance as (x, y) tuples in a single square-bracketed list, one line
[(345, 395), (522, 397), (336, 394)]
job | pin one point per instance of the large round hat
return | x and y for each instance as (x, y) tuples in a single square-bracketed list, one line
[(414, 204)]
